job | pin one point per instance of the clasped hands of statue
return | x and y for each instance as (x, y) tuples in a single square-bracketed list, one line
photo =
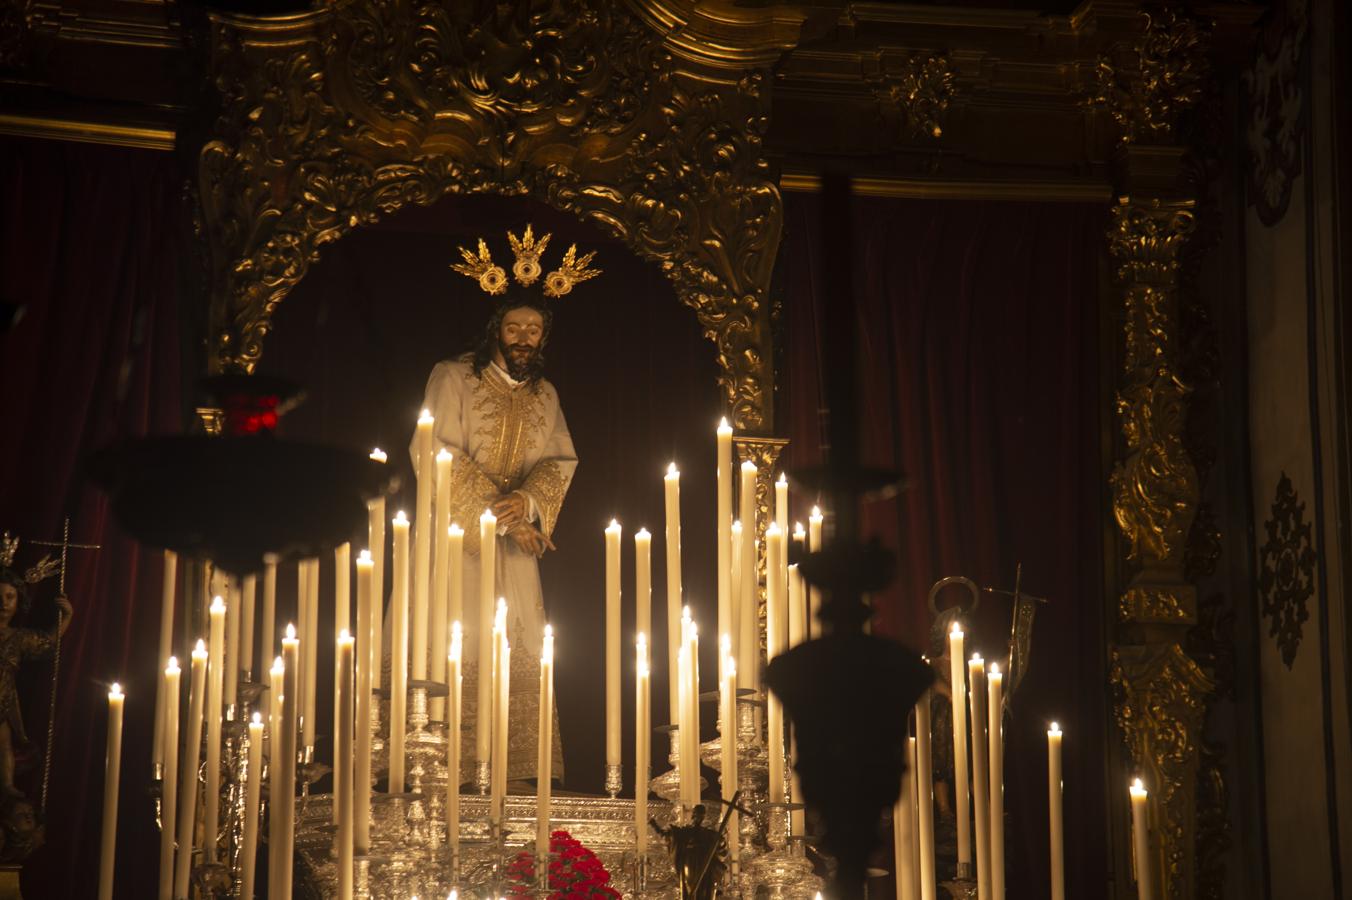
[(511, 511)]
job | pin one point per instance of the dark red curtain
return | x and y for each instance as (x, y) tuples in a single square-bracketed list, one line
[(979, 379), (89, 246)]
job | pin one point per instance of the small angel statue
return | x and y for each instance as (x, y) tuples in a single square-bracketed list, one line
[(17, 646)]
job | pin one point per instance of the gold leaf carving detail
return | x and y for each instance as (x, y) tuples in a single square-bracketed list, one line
[(348, 113), (1160, 706), (1147, 85)]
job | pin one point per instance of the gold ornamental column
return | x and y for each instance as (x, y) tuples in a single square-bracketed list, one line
[(1160, 692)]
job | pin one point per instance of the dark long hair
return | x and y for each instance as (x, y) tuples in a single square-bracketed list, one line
[(14, 577), (516, 298)]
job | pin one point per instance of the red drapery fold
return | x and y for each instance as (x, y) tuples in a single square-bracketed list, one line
[(88, 244), (978, 379)]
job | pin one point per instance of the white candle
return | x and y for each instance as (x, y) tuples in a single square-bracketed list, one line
[(1140, 841), (748, 637), (924, 766), (246, 626), (903, 838), (344, 798), (398, 655), (613, 644), (310, 652), (342, 588), (375, 541), (682, 714), (501, 683), (782, 504), (726, 619), (643, 582), (1054, 801), (728, 744), (958, 695), (167, 594), (211, 801), (642, 745), (342, 601), (422, 541), (672, 495), (455, 603), (112, 773), (814, 596), (454, 666), (253, 791), (994, 724), (192, 755), (776, 604), (441, 584), (797, 609), (692, 701), (230, 660), (169, 783), (274, 747), (483, 728), (368, 655), (283, 793), (735, 579), (267, 635), (976, 676), (544, 763)]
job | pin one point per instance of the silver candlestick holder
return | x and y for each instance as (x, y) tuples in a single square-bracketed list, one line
[(785, 871), (963, 886), (614, 780)]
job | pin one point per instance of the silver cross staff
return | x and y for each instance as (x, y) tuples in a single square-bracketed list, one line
[(65, 546)]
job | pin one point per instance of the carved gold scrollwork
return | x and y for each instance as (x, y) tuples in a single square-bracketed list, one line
[(1155, 488), (1148, 84), (919, 92), (1161, 703), (334, 118)]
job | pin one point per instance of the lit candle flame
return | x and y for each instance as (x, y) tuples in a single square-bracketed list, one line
[(400, 518), (748, 466), (115, 691), (290, 631), (816, 513), (258, 718), (344, 637), (172, 668), (672, 471), (956, 631), (783, 479), (725, 642), (425, 416), (218, 605), (364, 557), (200, 649), (547, 650), (455, 530), (379, 455), (1054, 729), (723, 424), (444, 454), (995, 670)]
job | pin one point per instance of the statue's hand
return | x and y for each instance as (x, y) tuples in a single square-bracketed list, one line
[(531, 540), (510, 510)]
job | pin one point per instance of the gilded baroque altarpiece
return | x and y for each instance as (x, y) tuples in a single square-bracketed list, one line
[(653, 120)]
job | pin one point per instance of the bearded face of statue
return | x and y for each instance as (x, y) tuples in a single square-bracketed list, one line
[(519, 340), (9, 602)]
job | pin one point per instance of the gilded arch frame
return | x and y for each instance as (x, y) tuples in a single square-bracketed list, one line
[(333, 118)]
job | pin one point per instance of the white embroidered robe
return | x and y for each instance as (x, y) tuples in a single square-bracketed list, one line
[(505, 436)]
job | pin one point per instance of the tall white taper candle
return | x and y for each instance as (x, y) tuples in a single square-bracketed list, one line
[(367, 656), (1054, 809), (924, 764), (211, 797), (112, 774), (422, 541), (958, 694), (726, 620), (995, 737), (440, 633), (672, 494), (613, 644), (344, 795), (169, 784), (167, 595), (483, 726), (1140, 841), (398, 655), (253, 792), (544, 763), (976, 696), (192, 755)]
